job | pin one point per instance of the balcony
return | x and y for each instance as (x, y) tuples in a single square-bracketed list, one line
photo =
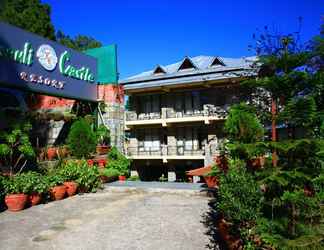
[(168, 115), (165, 153)]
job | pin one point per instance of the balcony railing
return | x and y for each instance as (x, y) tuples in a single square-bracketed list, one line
[(208, 110), (164, 150)]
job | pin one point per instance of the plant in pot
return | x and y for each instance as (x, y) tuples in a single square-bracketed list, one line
[(51, 153), (108, 174), (2, 191), (88, 179), (57, 189), (16, 191), (118, 161), (81, 139), (211, 178), (70, 173), (15, 147), (103, 139), (36, 186)]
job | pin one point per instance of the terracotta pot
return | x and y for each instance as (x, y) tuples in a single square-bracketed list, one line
[(51, 153), (104, 179), (122, 178), (102, 163), (256, 163), (90, 162), (102, 150), (58, 192), (71, 187), (16, 202), (211, 181), (34, 199)]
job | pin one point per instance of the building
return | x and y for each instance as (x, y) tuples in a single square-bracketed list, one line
[(176, 113)]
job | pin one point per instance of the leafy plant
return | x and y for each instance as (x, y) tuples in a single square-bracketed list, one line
[(81, 139), (54, 179), (18, 184), (110, 172), (103, 135), (118, 161), (88, 177), (69, 171), (15, 146), (242, 124), (35, 182)]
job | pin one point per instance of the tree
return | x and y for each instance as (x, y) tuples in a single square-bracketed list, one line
[(80, 42), (31, 15)]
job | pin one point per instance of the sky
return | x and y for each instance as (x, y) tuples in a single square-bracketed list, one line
[(149, 32)]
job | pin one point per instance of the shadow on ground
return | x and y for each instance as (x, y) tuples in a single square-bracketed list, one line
[(209, 219)]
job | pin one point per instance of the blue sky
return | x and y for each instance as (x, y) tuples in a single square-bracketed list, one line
[(148, 33)]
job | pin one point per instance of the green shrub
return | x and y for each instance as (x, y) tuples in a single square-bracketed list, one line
[(88, 177), (103, 135), (110, 172), (54, 179), (35, 182), (242, 125), (18, 184), (239, 198), (2, 187), (81, 139), (118, 161), (69, 170)]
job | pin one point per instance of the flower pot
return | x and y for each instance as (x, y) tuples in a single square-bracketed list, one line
[(16, 202), (58, 192), (102, 150), (90, 162), (102, 163), (51, 153), (71, 187), (104, 179), (122, 178), (34, 199), (211, 181)]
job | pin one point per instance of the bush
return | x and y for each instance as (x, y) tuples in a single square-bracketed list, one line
[(18, 184), (242, 124), (118, 161), (103, 135), (54, 179), (69, 171), (88, 177), (35, 182), (81, 139), (110, 172), (239, 197)]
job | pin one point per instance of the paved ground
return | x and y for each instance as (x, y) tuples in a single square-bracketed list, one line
[(136, 218)]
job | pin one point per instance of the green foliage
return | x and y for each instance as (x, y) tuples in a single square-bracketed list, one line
[(133, 178), (31, 15), (54, 179), (2, 187), (69, 171), (24, 183), (81, 139), (118, 161), (239, 197), (243, 125), (88, 177), (35, 182), (103, 135), (110, 172), (80, 42), (15, 145)]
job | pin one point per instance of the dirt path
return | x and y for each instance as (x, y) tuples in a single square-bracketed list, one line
[(109, 220)]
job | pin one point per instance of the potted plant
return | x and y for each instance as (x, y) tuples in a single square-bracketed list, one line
[(70, 173), (51, 153), (118, 161), (211, 178), (36, 186), (108, 174), (88, 179), (81, 139), (16, 192), (15, 147), (57, 189), (103, 140)]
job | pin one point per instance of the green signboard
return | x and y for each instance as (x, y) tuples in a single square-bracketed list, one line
[(106, 63)]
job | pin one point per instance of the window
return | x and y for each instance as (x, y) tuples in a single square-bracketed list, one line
[(159, 70), (217, 62), (186, 64)]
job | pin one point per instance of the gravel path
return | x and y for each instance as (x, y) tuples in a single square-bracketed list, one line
[(133, 219)]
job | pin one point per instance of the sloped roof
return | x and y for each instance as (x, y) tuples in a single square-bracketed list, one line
[(203, 65)]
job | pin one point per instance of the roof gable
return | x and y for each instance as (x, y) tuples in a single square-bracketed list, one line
[(158, 70), (187, 64), (217, 62)]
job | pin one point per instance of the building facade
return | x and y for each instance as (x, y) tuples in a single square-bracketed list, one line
[(176, 114)]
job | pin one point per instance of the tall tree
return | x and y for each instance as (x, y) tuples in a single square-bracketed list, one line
[(31, 15), (80, 42)]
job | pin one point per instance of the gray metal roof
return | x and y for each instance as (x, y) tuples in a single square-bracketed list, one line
[(202, 65)]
